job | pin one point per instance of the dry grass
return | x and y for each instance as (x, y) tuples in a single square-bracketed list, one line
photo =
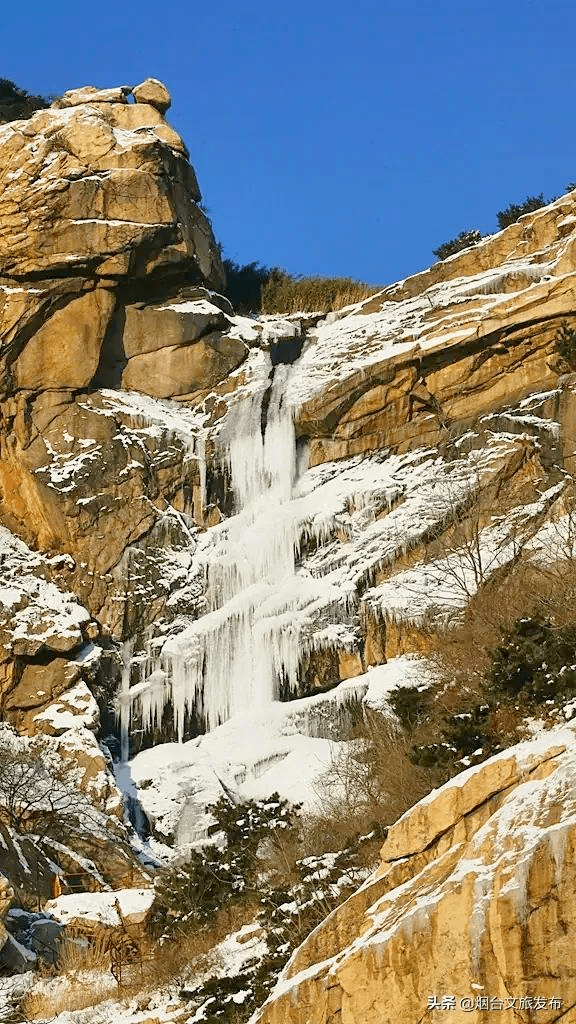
[(84, 976), (285, 294), (82, 956), (173, 961), (371, 782), (67, 993)]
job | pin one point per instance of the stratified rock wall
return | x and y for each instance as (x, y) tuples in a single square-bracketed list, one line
[(429, 356), (100, 211), (471, 910)]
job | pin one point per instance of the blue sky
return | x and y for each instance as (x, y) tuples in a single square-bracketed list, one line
[(333, 138)]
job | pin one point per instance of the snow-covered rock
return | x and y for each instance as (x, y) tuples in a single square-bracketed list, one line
[(473, 905)]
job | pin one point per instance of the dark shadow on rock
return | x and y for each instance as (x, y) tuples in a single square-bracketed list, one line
[(112, 354)]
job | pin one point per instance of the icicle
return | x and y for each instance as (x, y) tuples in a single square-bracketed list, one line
[(200, 453), (556, 839), (124, 703), (234, 656)]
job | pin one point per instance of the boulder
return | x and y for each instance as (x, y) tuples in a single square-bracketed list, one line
[(14, 957), (90, 94), (115, 199), (153, 92), (36, 932), (184, 369), (6, 896)]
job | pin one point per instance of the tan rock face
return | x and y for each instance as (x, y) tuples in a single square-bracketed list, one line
[(65, 351), (473, 903), (433, 353), (96, 194), (104, 252), (90, 94), (154, 92), (184, 370), (6, 897)]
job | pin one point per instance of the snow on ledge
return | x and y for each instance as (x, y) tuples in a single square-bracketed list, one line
[(101, 907)]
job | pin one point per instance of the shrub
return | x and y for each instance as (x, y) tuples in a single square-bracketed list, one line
[(530, 671), (253, 288), (288, 915), (513, 212), (536, 662), (565, 342), (16, 103), (410, 704), (244, 285), (226, 874), (462, 241)]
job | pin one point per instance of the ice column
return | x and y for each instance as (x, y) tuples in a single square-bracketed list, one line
[(234, 656), (124, 702)]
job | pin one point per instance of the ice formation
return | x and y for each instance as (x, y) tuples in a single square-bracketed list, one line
[(235, 655), (309, 552)]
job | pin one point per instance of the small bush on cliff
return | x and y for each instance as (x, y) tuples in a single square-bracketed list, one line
[(190, 895), (565, 342), (371, 780), (244, 285), (253, 288), (535, 663), (462, 241), (514, 211)]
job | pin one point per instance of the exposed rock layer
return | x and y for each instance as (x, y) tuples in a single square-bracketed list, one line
[(99, 210), (472, 903), (432, 354)]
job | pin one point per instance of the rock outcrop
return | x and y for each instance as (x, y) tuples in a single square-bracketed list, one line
[(471, 910), (100, 218), (432, 354), (105, 259), (125, 379)]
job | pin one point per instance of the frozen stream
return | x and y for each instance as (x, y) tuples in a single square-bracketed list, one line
[(235, 655)]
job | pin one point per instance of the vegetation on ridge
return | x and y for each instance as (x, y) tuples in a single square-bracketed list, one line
[(17, 103), (565, 342), (505, 218), (253, 288)]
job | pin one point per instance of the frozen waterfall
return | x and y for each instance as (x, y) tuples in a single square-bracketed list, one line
[(235, 656)]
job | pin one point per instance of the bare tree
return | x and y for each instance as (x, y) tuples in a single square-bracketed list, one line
[(39, 792)]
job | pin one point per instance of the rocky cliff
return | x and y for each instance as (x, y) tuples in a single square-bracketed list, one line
[(103, 241), (107, 275), (201, 514), (468, 915)]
